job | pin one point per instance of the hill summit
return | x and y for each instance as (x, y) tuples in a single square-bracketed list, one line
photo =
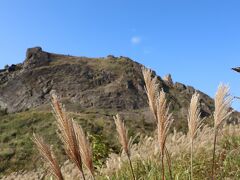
[(102, 83)]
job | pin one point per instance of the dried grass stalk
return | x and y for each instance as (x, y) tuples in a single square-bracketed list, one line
[(151, 88), (124, 141), (194, 116), (67, 134), (222, 111), (194, 123), (164, 119), (48, 157), (85, 148), (158, 106), (223, 102), (122, 134)]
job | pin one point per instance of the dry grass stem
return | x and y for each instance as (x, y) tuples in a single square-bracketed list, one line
[(223, 102), (124, 141), (151, 88), (222, 111), (122, 134), (194, 116), (160, 109), (164, 120), (48, 157), (85, 148), (194, 123), (67, 133)]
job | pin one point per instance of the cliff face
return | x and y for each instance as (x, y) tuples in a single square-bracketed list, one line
[(89, 82), (101, 83)]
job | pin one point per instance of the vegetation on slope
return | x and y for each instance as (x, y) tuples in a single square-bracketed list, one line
[(147, 165), (17, 149), (146, 157), (98, 88)]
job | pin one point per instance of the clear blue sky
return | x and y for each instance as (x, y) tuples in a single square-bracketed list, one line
[(197, 41)]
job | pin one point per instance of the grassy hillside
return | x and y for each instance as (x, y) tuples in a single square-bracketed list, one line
[(17, 149), (16, 130)]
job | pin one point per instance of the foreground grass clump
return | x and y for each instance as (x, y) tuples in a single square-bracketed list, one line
[(147, 166), (17, 149)]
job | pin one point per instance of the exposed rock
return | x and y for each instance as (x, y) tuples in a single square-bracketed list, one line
[(111, 57), (89, 83), (35, 57), (168, 79), (129, 84), (12, 68), (33, 51), (3, 70), (190, 90), (179, 86)]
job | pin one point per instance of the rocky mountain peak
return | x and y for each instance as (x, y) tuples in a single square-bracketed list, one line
[(35, 57), (100, 83)]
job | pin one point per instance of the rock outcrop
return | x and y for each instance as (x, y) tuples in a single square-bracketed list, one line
[(90, 83), (35, 57), (100, 83), (168, 79)]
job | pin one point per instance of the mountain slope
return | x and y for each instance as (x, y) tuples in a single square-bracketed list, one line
[(93, 90), (100, 83), (112, 83)]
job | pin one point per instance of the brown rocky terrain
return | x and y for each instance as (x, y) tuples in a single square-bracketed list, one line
[(105, 83)]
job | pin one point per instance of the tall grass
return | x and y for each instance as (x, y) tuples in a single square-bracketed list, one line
[(48, 157), (222, 112), (124, 141), (164, 119), (194, 123), (147, 165), (151, 88), (85, 149), (67, 134), (160, 109), (76, 143)]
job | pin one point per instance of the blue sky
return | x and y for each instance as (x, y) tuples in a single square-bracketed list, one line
[(196, 41)]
